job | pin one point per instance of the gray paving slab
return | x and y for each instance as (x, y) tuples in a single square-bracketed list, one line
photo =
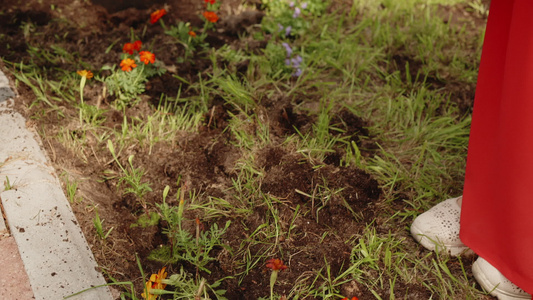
[(53, 249)]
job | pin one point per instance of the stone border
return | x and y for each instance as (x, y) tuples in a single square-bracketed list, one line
[(53, 249)]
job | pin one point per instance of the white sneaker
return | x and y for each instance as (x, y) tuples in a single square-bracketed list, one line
[(438, 228), (495, 283)]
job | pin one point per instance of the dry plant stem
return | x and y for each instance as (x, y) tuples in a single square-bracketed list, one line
[(54, 155), (211, 116), (313, 201), (102, 97), (198, 295)]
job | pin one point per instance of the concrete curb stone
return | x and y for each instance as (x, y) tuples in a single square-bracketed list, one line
[(5, 90), (53, 249)]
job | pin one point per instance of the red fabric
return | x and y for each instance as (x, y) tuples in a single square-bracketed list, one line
[(497, 209)]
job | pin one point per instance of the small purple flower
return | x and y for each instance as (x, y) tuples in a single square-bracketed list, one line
[(297, 73), (288, 30), (293, 62), (296, 61), (280, 27), (297, 12), (291, 5), (287, 48), (304, 5)]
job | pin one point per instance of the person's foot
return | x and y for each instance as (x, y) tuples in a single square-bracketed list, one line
[(492, 281), (438, 228)]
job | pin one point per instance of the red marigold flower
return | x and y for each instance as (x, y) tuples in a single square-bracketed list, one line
[(137, 45), (276, 264), (192, 33), (210, 16), (210, 1), (85, 73), (147, 57), (353, 298), (156, 15), (127, 64), (130, 47)]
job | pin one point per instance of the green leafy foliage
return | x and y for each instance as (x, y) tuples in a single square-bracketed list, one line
[(126, 86), (195, 249), (188, 37)]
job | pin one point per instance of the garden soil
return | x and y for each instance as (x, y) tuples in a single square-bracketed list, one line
[(205, 160)]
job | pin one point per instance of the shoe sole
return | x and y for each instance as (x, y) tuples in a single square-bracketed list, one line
[(489, 287), (432, 245)]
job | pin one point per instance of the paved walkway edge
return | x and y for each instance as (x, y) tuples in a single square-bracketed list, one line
[(53, 249)]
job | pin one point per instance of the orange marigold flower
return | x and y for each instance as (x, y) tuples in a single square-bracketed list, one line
[(130, 47), (156, 15), (147, 292), (210, 1), (353, 298), (276, 264), (127, 64), (210, 16), (192, 33), (147, 57), (156, 279), (155, 283), (85, 73)]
